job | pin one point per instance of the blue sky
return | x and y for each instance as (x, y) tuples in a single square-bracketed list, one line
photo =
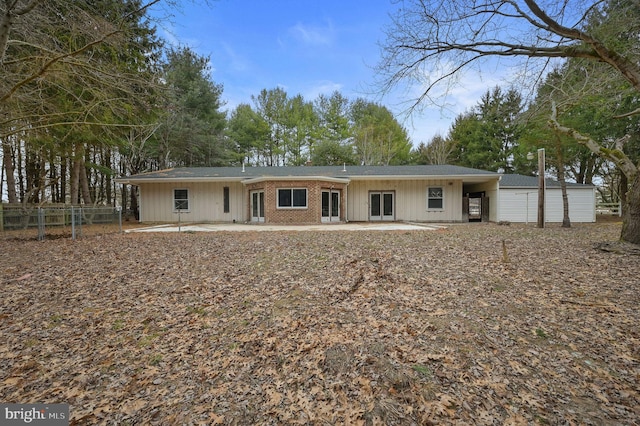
[(307, 47)]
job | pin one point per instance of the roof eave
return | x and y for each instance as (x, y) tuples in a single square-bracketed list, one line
[(466, 178), (346, 179), (134, 181), (294, 178)]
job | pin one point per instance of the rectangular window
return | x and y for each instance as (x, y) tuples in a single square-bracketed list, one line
[(225, 192), (181, 199), (292, 198), (435, 198)]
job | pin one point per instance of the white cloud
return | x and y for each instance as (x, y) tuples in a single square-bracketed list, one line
[(448, 99), (236, 61), (313, 35)]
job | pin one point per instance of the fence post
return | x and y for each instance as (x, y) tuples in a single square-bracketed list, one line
[(81, 215), (41, 220), (119, 210), (73, 223)]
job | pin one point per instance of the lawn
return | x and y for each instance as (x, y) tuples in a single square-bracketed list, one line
[(474, 324)]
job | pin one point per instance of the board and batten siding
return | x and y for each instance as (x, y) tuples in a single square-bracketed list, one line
[(410, 197), (515, 208), (206, 202)]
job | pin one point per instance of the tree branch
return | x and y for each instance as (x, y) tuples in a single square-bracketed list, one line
[(43, 69), (628, 114), (615, 155), (617, 61), (426, 33)]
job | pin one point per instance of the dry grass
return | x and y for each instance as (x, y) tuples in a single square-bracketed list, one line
[(419, 327)]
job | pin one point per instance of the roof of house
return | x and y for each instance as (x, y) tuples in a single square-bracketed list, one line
[(522, 181), (336, 172)]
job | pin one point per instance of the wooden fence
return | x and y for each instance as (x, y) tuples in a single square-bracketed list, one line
[(613, 209)]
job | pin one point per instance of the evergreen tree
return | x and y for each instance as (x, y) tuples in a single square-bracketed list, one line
[(192, 131), (486, 137)]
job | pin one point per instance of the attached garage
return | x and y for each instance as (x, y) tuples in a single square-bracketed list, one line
[(518, 200)]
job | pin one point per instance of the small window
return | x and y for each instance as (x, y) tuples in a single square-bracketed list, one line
[(225, 193), (435, 198), (181, 199), (292, 198)]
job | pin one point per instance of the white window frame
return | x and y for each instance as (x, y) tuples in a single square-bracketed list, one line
[(441, 197), (175, 200), (292, 207)]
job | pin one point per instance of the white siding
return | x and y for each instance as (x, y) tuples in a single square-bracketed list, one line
[(518, 205), (206, 202), (513, 204), (410, 196), (410, 200)]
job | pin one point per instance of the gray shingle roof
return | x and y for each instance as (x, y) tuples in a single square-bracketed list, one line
[(522, 181), (238, 173)]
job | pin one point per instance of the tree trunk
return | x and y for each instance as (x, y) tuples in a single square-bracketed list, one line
[(84, 185), (32, 175), (18, 165), (134, 202), (124, 199), (54, 184), (631, 214), (9, 172), (63, 179), (107, 177), (566, 221), (622, 190), (75, 181)]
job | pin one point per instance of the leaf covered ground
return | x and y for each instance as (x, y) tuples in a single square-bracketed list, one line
[(473, 324)]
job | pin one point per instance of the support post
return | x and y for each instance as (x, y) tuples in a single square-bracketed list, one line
[(119, 213), (541, 187), (73, 224), (41, 223)]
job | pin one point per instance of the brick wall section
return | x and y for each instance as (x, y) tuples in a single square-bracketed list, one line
[(311, 215)]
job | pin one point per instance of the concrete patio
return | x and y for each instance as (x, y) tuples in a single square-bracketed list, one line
[(242, 227)]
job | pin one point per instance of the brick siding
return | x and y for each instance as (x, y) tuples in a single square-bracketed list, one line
[(310, 215)]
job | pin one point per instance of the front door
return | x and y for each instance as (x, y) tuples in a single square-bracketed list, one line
[(330, 206), (257, 206), (381, 206)]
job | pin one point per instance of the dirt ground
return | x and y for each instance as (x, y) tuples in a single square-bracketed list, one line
[(474, 324)]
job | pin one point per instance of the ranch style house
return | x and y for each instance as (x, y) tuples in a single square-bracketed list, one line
[(316, 194), (325, 194)]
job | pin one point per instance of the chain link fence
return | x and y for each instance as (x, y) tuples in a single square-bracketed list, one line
[(43, 220)]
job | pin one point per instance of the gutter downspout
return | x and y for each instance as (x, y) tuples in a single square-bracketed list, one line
[(498, 213), (346, 202)]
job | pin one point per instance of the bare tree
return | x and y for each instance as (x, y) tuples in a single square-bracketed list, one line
[(431, 42), (437, 151)]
